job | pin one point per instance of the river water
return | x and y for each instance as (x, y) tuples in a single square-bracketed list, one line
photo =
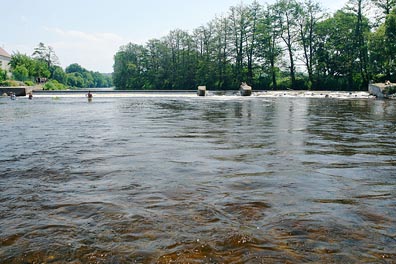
[(197, 180)]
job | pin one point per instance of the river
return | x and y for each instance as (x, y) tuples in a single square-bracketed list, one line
[(219, 179)]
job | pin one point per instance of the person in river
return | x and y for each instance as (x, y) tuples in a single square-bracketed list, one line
[(30, 96), (89, 95)]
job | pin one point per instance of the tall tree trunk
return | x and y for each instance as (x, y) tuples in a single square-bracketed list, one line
[(363, 56)]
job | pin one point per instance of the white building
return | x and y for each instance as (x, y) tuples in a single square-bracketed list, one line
[(5, 58)]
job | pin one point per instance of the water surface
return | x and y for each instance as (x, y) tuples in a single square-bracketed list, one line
[(198, 180)]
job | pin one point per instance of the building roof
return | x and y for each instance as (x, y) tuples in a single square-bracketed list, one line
[(4, 53)]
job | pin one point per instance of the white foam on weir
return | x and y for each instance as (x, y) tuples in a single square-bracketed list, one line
[(115, 95), (315, 94), (271, 94)]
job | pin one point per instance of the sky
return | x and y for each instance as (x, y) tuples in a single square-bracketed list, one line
[(90, 32)]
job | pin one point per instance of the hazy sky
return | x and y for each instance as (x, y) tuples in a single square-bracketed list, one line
[(90, 32)]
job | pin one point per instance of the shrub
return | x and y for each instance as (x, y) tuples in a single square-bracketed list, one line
[(3, 74), (301, 83), (284, 83), (390, 90), (9, 83), (21, 73), (29, 83), (53, 85), (379, 78)]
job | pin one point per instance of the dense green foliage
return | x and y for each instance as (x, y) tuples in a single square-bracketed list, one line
[(391, 90), (11, 83), (43, 65), (3, 74), (25, 68), (77, 76), (53, 85), (288, 44)]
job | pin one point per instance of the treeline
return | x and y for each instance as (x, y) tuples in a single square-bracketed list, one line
[(43, 67), (289, 44)]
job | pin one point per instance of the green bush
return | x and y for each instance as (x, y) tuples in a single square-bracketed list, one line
[(284, 83), (9, 83), (53, 85), (379, 78), (333, 84), (3, 75), (29, 83), (390, 90), (20, 73), (301, 83)]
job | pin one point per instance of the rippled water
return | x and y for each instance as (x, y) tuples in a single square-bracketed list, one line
[(197, 180)]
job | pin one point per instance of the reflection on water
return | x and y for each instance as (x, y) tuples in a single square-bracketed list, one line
[(188, 180)]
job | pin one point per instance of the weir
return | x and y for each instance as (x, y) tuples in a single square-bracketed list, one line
[(18, 91), (105, 91)]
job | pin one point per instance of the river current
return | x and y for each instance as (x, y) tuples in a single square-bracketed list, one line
[(219, 179)]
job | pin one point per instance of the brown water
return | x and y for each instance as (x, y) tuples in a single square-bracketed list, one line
[(197, 180)]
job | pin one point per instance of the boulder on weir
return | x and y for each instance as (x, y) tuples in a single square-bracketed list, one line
[(382, 90)]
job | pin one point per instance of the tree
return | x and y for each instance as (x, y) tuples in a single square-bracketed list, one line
[(268, 49), (3, 74), (180, 45), (385, 6), (40, 69), (361, 31), (129, 67), (75, 67), (75, 79), (204, 43), (390, 45), (19, 59), (338, 53), (221, 38), (287, 13), (35, 68), (159, 61), (254, 43), (239, 28), (311, 15), (46, 54), (88, 79), (377, 54), (251, 39), (383, 46), (21, 73), (59, 75), (99, 80)]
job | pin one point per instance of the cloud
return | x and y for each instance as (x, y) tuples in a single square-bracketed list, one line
[(93, 51)]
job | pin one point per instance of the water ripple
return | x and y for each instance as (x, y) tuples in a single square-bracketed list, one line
[(191, 180)]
